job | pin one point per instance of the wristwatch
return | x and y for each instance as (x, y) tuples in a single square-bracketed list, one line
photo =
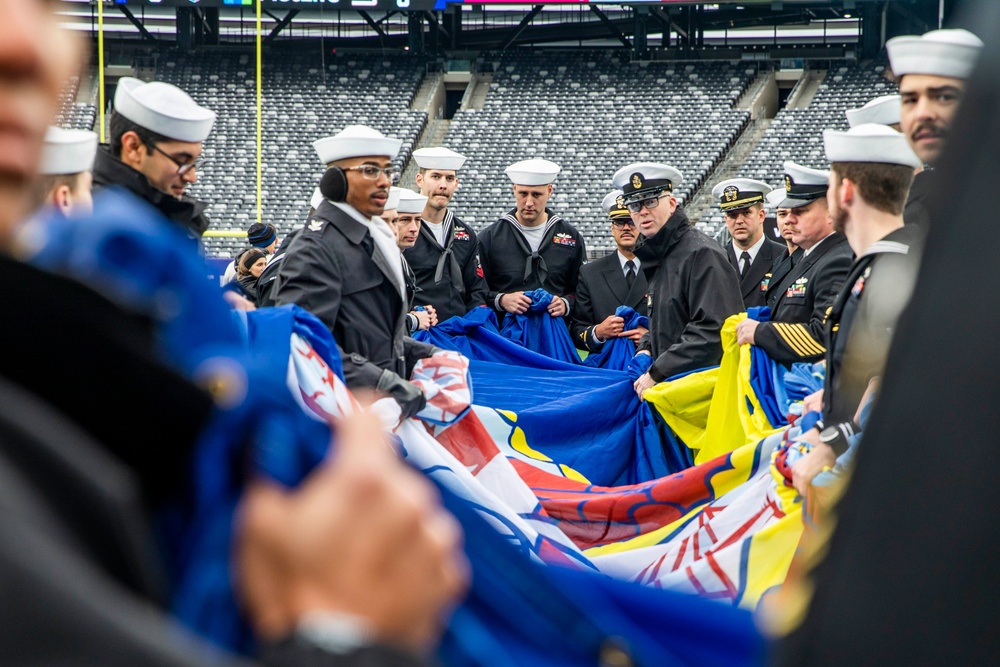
[(836, 436), (335, 632)]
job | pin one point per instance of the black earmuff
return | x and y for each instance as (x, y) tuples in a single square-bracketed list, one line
[(333, 185)]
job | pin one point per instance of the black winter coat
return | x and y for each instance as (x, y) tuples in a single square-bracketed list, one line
[(332, 270), (187, 212), (692, 290)]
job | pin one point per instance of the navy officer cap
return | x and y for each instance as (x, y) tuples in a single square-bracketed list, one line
[(642, 180)]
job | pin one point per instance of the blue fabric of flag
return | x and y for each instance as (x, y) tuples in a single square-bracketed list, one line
[(134, 258), (763, 376), (803, 379), (639, 365), (476, 336), (587, 418), (776, 386), (617, 353), (519, 612), (538, 331)]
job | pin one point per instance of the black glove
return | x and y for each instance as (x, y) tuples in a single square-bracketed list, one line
[(411, 400)]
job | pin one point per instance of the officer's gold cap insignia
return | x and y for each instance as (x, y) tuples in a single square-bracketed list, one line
[(636, 181), (731, 193)]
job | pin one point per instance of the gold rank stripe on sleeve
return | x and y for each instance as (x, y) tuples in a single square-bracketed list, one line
[(797, 337)]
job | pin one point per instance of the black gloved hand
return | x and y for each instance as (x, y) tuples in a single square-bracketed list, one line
[(411, 400)]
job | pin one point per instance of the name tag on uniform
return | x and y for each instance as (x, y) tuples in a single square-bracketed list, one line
[(564, 239), (798, 288)]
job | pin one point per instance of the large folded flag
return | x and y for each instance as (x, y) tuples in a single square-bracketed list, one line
[(538, 331), (514, 606)]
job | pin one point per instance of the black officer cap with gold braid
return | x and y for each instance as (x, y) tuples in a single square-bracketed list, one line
[(645, 179), (803, 185), (737, 193), (613, 204)]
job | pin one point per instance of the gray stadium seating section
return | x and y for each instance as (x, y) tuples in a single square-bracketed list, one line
[(302, 103), (797, 134), (589, 111), (73, 115), (592, 113)]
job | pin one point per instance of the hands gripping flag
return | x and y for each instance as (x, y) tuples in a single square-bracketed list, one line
[(538, 331), (617, 353)]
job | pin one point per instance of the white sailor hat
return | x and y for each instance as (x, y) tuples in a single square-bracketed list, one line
[(638, 180), (68, 152), (614, 205), (948, 53), (164, 109), (882, 110), (532, 172), (392, 203), (775, 198), (410, 202), (438, 158), (737, 193), (356, 141), (317, 199), (870, 142), (803, 185)]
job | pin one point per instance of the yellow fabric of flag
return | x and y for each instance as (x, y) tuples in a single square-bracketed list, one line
[(715, 411)]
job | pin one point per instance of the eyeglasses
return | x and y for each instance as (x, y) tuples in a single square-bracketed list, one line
[(622, 222), (651, 203), (371, 172), (182, 167)]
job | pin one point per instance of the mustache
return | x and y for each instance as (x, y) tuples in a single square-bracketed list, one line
[(931, 129)]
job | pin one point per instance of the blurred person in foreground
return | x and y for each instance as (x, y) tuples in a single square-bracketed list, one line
[(81, 579)]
